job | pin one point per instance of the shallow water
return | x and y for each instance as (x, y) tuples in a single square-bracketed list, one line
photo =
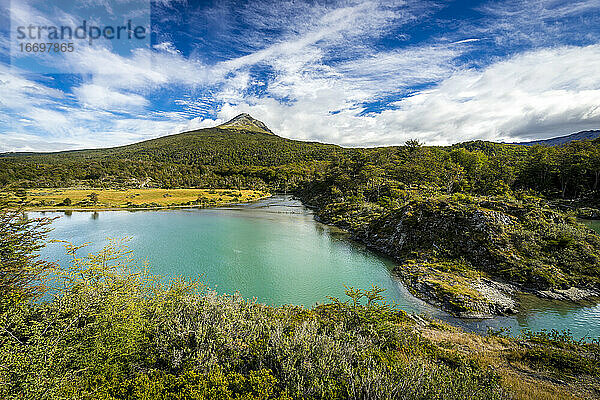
[(273, 250)]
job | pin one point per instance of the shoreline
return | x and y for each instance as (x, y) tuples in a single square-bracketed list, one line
[(501, 298), (471, 294), (96, 209), (469, 323)]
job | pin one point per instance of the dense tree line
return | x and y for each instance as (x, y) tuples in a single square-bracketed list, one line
[(210, 158), (214, 158)]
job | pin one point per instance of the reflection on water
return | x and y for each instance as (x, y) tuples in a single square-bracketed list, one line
[(275, 251), (272, 250), (582, 318)]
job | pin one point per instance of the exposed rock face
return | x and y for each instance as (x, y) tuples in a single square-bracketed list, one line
[(470, 296), (441, 231), (499, 300), (245, 122), (469, 258), (571, 294)]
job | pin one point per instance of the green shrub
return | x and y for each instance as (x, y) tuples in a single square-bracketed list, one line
[(108, 330), (559, 352)]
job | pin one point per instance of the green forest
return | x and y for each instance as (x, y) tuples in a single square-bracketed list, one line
[(219, 158), (103, 328)]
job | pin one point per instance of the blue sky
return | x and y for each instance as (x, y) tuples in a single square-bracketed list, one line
[(355, 73)]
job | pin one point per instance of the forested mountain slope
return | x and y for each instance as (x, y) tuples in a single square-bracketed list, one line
[(244, 153), (222, 156)]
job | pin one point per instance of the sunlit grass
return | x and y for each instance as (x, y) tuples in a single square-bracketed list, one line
[(50, 198)]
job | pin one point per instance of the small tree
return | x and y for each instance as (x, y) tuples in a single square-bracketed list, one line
[(67, 201), (20, 239), (21, 194), (93, 197), (412, 145)]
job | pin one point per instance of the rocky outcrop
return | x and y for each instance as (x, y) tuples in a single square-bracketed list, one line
[(575, 294), (471, 257), (245, 122), (462, 293), (588, 213)]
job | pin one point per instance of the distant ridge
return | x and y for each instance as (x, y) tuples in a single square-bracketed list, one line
[(557, 141), (245, 122)]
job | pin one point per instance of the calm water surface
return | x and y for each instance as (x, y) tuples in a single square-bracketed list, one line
[(273, 250)]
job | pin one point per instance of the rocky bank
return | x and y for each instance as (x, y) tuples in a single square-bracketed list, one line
[(469, 256)]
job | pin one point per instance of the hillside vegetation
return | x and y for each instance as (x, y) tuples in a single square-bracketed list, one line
[(233, 158), (469, 255), (75, 199), (209, 158), (557, 141)]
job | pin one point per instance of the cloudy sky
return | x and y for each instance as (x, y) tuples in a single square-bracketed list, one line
[(355, 73)]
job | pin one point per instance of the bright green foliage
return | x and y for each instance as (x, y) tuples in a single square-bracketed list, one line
[(107, 331), (190, 385), (20, 239), (560, 353), (523, 239), (207, 158)]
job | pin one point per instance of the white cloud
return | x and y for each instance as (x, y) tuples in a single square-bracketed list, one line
[(18, 92), (91, 95), (167, 47), (311, 94), (385, 72), (538, 23), (466, 41), (540, 93)]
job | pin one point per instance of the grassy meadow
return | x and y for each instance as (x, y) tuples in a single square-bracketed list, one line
[(66, 198)]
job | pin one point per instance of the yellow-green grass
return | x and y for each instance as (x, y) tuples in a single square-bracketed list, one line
[(54, 198)]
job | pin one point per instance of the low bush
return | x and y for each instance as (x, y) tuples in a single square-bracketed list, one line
[(108, 330)]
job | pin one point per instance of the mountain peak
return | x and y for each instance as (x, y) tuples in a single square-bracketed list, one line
[(557, 141), (245, 122)]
